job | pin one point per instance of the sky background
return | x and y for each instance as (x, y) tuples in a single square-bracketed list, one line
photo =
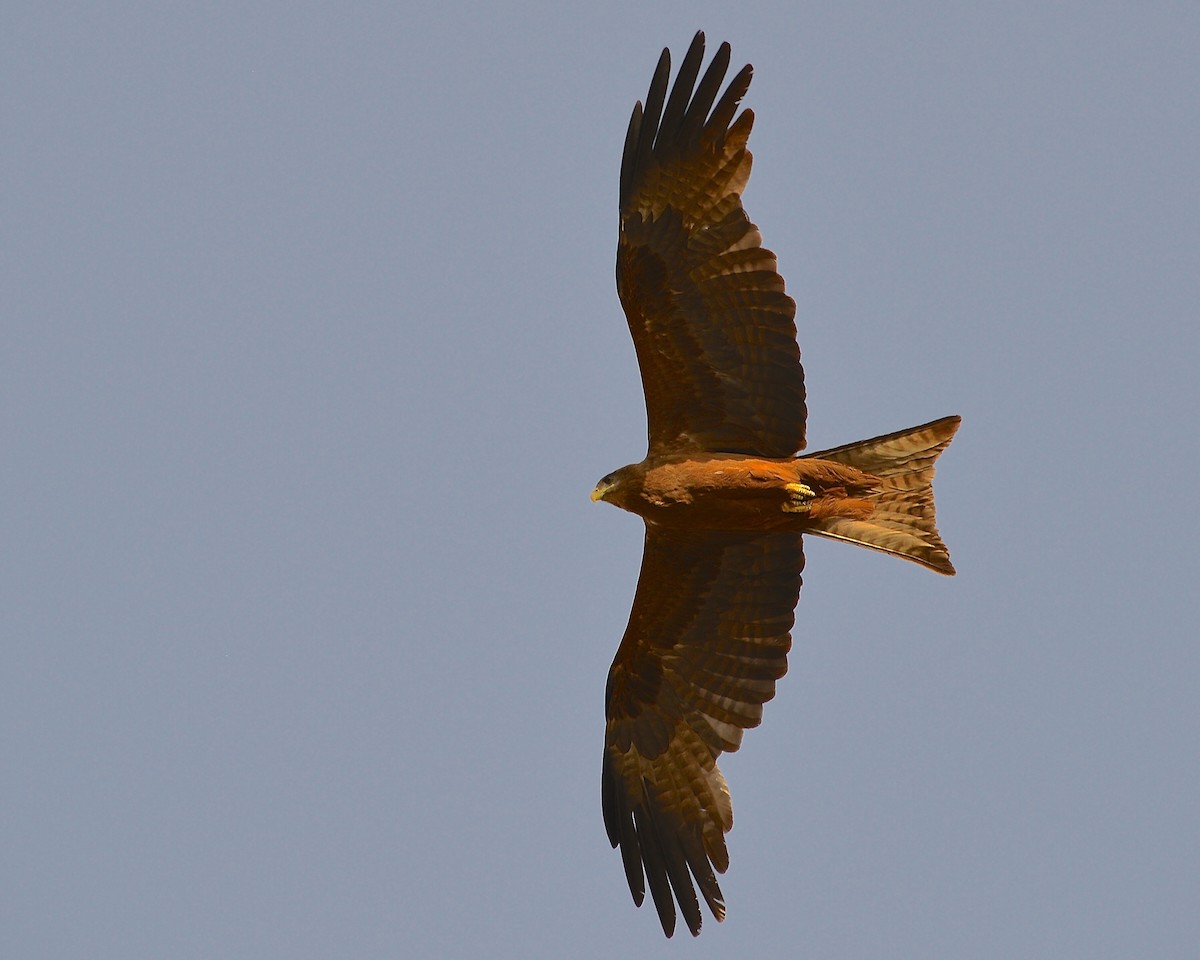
[(310, 355)]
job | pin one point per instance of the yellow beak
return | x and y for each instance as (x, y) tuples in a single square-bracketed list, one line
[(597, 494)]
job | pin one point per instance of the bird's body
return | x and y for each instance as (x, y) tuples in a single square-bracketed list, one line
[(725, 498), (731, 491)]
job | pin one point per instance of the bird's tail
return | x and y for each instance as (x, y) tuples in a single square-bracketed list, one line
[(902, 522)]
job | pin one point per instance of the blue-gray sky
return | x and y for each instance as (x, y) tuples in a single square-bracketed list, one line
[(311, 354)]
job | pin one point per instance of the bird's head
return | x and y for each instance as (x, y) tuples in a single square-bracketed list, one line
[(605, 488), (613, 487)]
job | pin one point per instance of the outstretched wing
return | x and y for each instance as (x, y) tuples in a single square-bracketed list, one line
[(708, 637), (714, 331)]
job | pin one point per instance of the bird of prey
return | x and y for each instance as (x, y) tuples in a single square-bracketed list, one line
[(724, 496)]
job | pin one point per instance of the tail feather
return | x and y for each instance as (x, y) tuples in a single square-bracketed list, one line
[(903, 521)]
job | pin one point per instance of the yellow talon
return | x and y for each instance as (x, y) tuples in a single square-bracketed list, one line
[(799, 497)]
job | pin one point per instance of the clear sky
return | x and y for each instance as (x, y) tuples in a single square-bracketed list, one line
[(310, 355)]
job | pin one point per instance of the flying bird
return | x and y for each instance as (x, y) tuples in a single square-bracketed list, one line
[(725, 498)]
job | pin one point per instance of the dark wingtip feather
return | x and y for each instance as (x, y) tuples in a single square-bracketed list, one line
[(681, 93), (655, 863), (618, 824), (639, 138), (706, 93), (630, 152), (722, 114)]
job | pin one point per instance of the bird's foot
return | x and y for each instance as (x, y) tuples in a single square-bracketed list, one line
[(799, 496)]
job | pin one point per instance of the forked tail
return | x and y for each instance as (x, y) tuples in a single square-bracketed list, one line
[(903, 522)]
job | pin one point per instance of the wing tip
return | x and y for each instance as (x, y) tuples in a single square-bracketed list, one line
[(688, 113), (659, 851)]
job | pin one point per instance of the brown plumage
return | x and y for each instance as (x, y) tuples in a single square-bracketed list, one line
[(723, 494)]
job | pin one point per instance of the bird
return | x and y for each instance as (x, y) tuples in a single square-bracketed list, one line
[(724, 492)]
